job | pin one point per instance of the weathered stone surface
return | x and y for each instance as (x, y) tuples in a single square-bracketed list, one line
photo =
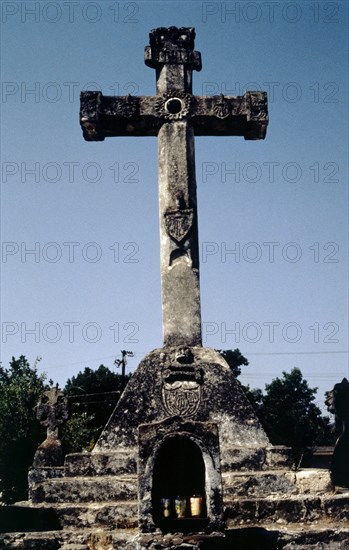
[(103, 463), (45, 516), (258, 510), (278, 456), (49, 453), (86, 489), (336, 507), (39, 474), (287, 509), (107, 116), (179, 236), (243, 458), (258, 484), (290, 537), (218, 396), (313, 481)]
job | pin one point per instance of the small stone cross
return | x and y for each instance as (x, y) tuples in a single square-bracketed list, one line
[(174, 115), (52, 411)]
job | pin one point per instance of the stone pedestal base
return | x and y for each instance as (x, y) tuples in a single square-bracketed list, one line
[(182, 427)]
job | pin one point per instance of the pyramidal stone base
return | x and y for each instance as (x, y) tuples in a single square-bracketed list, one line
[(182, 427)]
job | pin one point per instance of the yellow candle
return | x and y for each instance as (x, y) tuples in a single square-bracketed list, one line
[(195, 506)]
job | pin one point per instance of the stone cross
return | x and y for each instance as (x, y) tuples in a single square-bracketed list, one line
[(174, 115), (52, 411)]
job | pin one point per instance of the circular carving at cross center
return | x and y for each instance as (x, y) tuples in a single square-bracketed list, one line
[(174, 105)]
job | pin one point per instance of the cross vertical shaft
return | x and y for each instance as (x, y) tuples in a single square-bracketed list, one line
[(179, 259), (170, 53)]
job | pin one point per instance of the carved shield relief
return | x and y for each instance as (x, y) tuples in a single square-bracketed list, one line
[(181, 397), (178, 223)]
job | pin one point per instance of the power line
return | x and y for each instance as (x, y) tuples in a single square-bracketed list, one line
[(143, 353)]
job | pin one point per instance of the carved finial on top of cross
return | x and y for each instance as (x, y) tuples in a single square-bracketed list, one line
[(171, 53), (172, 46)]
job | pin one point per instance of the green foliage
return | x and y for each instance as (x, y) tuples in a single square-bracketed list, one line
[(20, 432), (89, 417), (289, 415), (234, 358), (80, 432)]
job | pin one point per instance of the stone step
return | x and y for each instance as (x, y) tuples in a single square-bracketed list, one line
[(96, 539), (269, 536), (86, 489), (96, 463), (276, 482), (242, 458), (302, 508), (111, 515)]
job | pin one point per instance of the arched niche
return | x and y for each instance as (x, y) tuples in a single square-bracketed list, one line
[(178, 455), (179, 471)]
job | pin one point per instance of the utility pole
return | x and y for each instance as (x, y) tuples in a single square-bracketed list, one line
[(123, 363)]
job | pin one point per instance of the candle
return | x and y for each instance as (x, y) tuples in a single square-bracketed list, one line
[(166, 504), (195, 506), (180, 506)]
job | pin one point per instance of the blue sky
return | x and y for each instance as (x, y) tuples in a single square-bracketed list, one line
[(273, 214)]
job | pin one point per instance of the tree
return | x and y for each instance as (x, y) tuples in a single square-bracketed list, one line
[(90, 414), (20, 432), (235, 359), (289, 415)]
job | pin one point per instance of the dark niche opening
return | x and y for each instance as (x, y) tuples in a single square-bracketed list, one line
[(178, 495)]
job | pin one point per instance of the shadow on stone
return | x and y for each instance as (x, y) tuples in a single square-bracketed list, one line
[(252, 538), (21, 518)]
